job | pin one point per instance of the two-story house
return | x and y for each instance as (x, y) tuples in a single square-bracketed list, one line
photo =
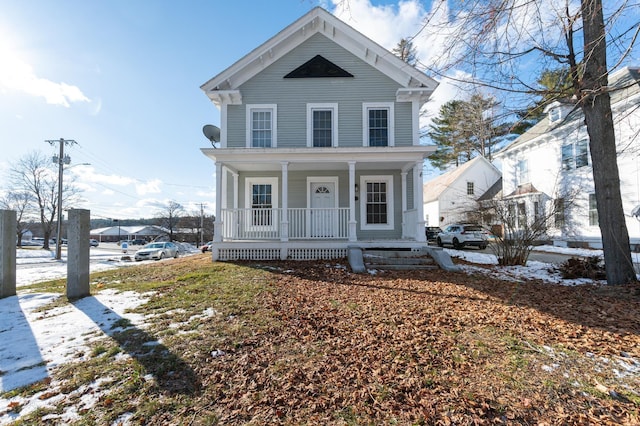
[(319, 146), (454, 196), (547, 170)]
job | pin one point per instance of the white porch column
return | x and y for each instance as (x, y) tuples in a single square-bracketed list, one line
[(418, 202), (235, 215), (352, 201), (217, 226), (236, 188), (403, 180), (284, 219)]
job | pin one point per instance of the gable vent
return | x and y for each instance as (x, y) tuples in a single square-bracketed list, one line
[(318, 67)]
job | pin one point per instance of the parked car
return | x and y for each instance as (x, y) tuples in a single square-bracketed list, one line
[(206, 247), (93, 242), (138, 242), (460, 235), (156, 251), (432, 232)]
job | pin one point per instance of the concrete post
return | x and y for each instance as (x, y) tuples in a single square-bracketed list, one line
[(7, 253), (78, 254)]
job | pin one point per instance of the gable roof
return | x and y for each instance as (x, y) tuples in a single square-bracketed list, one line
[(432, 190), (224, 86), (624, 84)]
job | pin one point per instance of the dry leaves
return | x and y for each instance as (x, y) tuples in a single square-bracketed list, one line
[(427, 347)]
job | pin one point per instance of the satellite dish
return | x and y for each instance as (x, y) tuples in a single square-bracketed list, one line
[(212, 133)]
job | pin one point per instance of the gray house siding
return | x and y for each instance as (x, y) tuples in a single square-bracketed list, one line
[(298, 195), (293, 94)]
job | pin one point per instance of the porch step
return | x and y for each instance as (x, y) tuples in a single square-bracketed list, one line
[(398, 260)]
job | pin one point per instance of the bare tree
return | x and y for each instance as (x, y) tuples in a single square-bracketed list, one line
[(522, 225), (22, 203), (33, 175), (495, 40), (169, 217)]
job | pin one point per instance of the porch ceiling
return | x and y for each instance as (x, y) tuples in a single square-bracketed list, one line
[(366, 158)]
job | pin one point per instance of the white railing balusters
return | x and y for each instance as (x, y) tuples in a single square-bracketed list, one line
[(264, 224)]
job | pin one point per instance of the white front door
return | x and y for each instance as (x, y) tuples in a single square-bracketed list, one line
[(323, 215)]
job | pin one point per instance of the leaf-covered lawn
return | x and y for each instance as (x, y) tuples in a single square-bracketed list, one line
[(313, 343)]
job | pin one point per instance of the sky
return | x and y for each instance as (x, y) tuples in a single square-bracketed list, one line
[(44, 341), (122, 79)]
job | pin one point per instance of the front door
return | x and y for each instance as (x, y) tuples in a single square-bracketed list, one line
[(323, 215)]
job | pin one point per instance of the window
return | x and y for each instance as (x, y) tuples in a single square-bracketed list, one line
[(555, 114), (511, 215), (536, 212), (322, 125), (558, 212), (522, 171), (593, 210), (522, 215), (575, 155), (261, 126), (378, 124), (262, 199), (261, 204), (376, 208), (469, 188)]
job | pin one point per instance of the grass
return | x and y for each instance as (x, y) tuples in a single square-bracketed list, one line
[(307, 343)]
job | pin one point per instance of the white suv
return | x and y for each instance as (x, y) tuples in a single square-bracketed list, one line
[(460, 235)]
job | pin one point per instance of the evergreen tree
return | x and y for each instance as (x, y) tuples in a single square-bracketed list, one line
[(464, 130)]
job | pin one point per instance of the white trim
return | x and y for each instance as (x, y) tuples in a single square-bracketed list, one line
[(333, 107), (223, 125), (273, 108), (320, 21), (248, 192), (388, 179), (389, 106)]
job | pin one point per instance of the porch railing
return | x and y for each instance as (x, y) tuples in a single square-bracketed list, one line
[(301, 223)]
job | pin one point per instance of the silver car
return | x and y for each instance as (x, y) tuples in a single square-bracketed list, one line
[(156, 251)]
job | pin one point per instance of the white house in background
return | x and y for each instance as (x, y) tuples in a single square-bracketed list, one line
[(319, 146), (453, 196), (550, 165)]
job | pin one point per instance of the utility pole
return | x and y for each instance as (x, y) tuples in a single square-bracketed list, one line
[(201, 224), (61, 160)]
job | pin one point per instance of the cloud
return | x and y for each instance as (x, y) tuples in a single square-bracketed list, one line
[(385, 24), (86, 175), (18, 75), (149, 187)]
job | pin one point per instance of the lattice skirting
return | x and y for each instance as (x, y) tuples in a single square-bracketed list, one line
[(317, 253), (249, 254), (275, 253)]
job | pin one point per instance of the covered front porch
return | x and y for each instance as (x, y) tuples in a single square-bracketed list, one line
[(314, 203)]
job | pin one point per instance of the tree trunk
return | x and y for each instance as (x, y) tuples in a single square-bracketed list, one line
[(596, 105)]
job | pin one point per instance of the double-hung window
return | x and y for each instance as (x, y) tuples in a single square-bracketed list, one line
[(261, 126), (575, 155), (262, 199), (522, 171), (376, 208), (378, 124), (558, 212), (322, 125), (470, 188)]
